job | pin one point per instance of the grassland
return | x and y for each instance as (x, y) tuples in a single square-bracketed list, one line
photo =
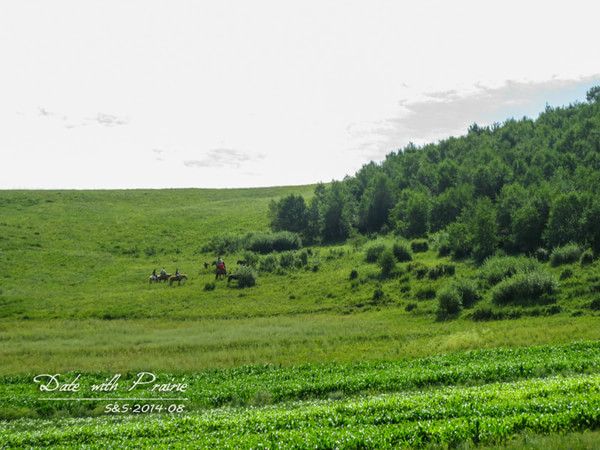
[(74, 297)]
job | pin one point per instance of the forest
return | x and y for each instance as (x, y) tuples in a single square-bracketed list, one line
[(525, 186)]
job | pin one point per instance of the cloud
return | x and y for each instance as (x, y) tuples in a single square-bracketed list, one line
[(159, 153), (223, 157), (437, 115), (108, 120)]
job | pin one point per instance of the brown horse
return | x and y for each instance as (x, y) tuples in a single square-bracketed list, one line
[(158, 278), (220, 273), (179, 278)]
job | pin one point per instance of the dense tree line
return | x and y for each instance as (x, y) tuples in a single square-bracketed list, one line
[(516, 186)]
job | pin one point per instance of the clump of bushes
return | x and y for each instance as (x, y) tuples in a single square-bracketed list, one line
[(410, 307), (485, 314), (419, 269), (246, 277), (273, 242), (449, 304), (541, 254), (373, 252), (567, 273), (441, 270), (595, 304), (419, 245), (210, 286), (467, 291), (566, 254), (286, 260), (586, 258), (387, 263), (425, 293), (268, 264), (498, 268), (353, 274), (525, 289), (378, 294), (401, 252), (251, 259)]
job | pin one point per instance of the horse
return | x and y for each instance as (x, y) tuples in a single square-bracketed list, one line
[(158, 278), (220, 273), (179, 278)]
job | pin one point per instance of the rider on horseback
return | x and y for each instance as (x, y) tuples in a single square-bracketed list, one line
[(163, 272)]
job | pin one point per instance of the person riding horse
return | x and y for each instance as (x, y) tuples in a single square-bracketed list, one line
[(221, 270)]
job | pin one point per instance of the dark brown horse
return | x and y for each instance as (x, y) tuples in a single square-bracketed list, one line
[(182, 277), (220, 273), (158, 278)]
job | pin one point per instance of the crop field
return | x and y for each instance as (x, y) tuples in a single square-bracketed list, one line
[(322, 352)]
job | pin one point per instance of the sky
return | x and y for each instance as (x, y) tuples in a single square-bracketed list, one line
[(168, 94)]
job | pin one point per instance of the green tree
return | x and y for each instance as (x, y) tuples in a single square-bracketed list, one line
[(411, 213), (593, 95), (565, 222), (337, 213), (483, 229), (289, 214), (376, 203)]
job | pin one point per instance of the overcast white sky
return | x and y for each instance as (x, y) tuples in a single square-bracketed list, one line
[(124, 94)]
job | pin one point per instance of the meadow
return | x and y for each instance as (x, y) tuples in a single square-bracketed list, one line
[(311, 350)]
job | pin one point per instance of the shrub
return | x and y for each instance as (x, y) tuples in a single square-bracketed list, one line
[(303, 258), (150, 251), (425, 293), (315, 267), (541, 254), (485, 313), (567, 273), (441, 270), (268, 264), (419, 269), (251, 259), (387, 262), (378, 294), (441, 242), (269, 242), (401, 252), (595, 304), (467, 291), (286, 260), (419, 245), (498, 268), (354, 274), (373, 252), (246, 277), (410, 307), (221, 244), (449, 304), (525, 289), (587, 258), (210, 286), (566, 254)]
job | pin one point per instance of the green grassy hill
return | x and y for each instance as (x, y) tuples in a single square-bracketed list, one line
[(306, 341)]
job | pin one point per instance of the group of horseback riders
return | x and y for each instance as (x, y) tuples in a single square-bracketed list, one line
[(220, 272)]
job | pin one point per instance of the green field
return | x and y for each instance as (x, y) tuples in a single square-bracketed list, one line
[(307, 357)]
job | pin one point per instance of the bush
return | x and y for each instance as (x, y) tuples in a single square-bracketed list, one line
[(210, 286), (441, 242), (498, 268), (419, 245), (286, 260), (354, 274), (425, 293), (485, 313), (401, 252), (250, 258), (525, 289), (567, 273), (467, 291), (410, 307), (378, 294), (222, 244), (387, 262), (566, 254), (246, 277), (587, 258), (441, 270), (303, 258), (541, 254), (373, 252), (449, 304), (595, 304), (273, 242), (268, 264), (419, 269)]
